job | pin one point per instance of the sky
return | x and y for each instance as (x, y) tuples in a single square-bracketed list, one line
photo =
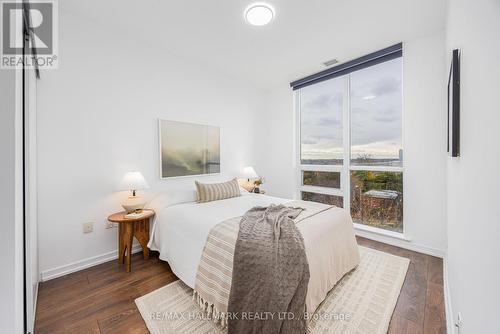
[(376, 114)]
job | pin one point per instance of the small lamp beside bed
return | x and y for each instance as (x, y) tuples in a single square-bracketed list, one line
[(133, 181), (249, 173)]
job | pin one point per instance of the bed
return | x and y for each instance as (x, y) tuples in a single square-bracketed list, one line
[(182, 226)]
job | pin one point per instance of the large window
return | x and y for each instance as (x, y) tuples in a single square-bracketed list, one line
[(350, 143)]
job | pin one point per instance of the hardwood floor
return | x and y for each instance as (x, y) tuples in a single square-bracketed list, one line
[(420, 306), (101, 299)]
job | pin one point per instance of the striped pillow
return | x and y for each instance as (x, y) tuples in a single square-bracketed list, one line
[(208, 192)]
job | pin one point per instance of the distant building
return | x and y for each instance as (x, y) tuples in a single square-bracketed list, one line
[(383, 194), (380, 206)]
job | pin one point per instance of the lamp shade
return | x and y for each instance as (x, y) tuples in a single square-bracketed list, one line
[(133, 181), (249, 173)]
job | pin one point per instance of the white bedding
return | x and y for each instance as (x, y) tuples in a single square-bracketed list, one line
[(180, 231)]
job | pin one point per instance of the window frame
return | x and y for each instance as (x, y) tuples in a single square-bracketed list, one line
[(346, 168)]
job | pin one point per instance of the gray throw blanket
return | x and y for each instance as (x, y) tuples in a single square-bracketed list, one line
[(270, 274)]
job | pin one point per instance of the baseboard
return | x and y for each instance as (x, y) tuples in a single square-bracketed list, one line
[(82, 264), (401, 243), (450, 327)]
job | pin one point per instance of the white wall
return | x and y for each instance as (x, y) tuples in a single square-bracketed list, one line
[(424, 91), (276, 159), (424, 143), (473, 183), (97, 119), (11, 213)]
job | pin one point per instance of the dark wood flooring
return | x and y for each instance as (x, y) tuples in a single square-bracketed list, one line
[(101, 299)]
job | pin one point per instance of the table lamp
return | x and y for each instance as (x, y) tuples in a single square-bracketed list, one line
[(133, 181), (249, 173)]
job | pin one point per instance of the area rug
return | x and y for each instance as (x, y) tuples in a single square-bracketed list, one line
[(362, 302)]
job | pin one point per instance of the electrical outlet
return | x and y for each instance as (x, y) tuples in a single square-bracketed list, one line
[(88, 227)]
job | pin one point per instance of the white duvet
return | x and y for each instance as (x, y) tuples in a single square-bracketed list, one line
[(180, 231)]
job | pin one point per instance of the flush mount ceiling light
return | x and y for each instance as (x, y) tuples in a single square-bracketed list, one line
[(369, 97), (259, 14)]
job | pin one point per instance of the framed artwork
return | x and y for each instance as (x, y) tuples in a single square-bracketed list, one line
[(454, 106), (188, 149)]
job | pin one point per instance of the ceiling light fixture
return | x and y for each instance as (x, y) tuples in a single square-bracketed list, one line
[(259, 14), (369, 97)]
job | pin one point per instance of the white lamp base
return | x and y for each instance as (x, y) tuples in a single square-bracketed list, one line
[(133, 203), (248, 185)]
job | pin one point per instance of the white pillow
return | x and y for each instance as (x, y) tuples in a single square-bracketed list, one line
[(243, 191)]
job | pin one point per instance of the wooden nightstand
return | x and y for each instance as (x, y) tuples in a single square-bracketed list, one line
[(128, 228)]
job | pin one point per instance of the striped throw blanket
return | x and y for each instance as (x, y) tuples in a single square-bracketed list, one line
[(214, 276)]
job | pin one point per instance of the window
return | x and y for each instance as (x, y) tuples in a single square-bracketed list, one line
[(377, 199), (376, 104), (321, 123), (350, 139), (321, 179), (323, 198)]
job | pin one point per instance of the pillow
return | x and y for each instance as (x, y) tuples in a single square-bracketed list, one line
[(208, 192)]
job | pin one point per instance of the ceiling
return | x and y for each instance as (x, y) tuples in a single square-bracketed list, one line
[(304, 34)]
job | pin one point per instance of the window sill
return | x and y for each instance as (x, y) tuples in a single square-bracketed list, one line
[(379, 231)]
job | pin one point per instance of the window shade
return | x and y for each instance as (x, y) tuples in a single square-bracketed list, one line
[(371, 59)]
